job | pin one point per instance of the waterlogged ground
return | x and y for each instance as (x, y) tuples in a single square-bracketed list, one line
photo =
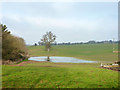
[(61, 59), (33, 74)]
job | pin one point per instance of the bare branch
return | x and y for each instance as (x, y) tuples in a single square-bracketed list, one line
[(48, 38)]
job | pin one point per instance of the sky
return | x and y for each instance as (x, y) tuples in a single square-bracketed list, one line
[(69, 21)]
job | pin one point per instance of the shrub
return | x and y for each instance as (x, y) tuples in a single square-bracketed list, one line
[(13, 47)]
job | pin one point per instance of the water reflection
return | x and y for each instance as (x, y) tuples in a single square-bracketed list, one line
[(61, 59)]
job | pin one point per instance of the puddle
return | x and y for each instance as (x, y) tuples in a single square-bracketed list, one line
[(61, 59)]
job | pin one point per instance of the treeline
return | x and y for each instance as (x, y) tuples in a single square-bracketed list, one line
[(77, 43), (13, 47)]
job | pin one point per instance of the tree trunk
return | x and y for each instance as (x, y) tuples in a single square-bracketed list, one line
[(48, 58), (48, 49)]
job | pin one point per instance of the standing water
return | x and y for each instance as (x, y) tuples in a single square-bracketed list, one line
[(61, 59)]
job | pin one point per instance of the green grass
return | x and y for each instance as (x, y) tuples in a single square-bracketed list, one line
[(64, 75), (58, 75), (97, 52), (23, 61)]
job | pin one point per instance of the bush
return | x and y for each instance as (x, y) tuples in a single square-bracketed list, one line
[(13, 47)]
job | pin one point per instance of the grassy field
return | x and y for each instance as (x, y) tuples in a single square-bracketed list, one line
[(97, 52), (58, 75), (63, 75)]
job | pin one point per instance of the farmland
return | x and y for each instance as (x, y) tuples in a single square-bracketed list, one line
[(33, 74), (58, 75), (96, 52)]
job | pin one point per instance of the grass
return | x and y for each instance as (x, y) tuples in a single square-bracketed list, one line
[(58, 75), (96, 52), (64, 75), (23, 61)]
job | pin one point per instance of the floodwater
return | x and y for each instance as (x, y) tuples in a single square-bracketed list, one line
[(61, 59)]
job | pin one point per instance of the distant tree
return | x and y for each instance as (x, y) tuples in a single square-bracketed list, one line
[(110, 41), (39, 43), (47, 39), (35, 44), (55, 43), (69, 43), (91, 42)]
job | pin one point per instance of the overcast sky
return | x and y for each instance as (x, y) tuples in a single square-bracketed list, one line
[(69, 21)]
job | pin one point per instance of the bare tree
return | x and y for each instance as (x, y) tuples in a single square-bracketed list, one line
[(47, 39)]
